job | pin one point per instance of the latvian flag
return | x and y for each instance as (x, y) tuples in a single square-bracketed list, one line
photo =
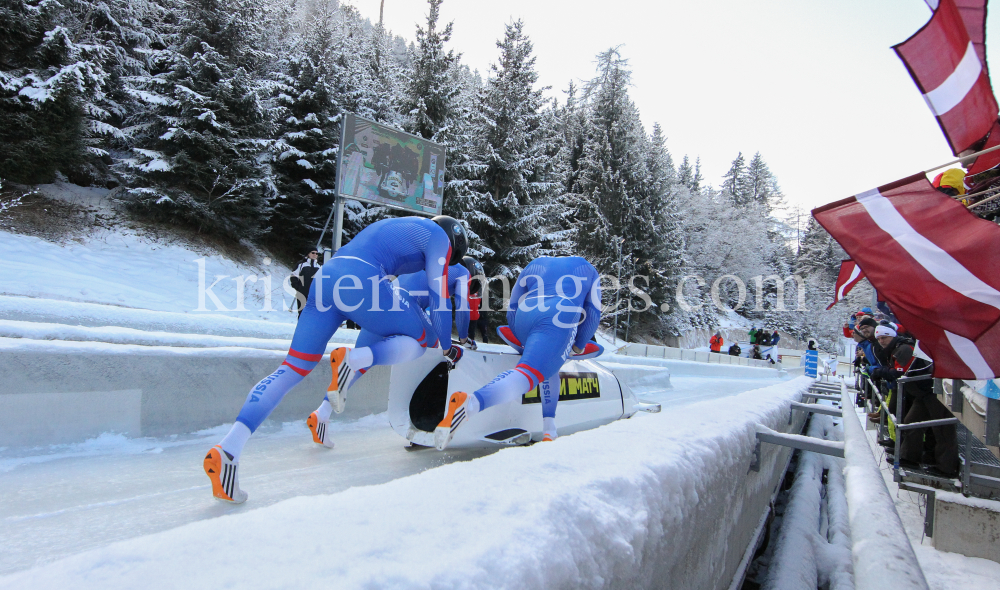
[(850, 275), (935, 263), (952, 76)]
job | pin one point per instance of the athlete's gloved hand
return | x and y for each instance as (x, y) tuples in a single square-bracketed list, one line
[(589, 351), (454, 354), (470, 344)]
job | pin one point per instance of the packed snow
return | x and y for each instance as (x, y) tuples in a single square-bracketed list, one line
[(579, 506)]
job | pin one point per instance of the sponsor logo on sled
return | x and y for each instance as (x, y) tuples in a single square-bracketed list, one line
[(571, 386)]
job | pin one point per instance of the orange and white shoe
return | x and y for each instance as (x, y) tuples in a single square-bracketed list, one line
[(337, 391), (454, 416), (318, 429), (221, 468)]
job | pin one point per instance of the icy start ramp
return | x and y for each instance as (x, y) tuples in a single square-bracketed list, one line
[(661, 501)]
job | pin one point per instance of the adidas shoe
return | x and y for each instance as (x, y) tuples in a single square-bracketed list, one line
[(318, 429), (337, 391), (454, 416), (221, 468)]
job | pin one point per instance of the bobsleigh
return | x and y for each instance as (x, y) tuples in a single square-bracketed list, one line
[(589, 396)]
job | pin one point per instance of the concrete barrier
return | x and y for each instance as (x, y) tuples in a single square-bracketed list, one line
[(61, 392)]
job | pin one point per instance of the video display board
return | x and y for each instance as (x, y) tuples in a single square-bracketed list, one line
[(388, 167)]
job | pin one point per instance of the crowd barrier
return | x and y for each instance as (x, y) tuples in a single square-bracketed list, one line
[(684, 354)]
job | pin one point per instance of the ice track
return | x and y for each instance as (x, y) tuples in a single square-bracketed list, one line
[(61, 500)]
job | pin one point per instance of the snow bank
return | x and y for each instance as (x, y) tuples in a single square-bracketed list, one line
[(15, 308), (120, 335), (661, 501), (693, 367), (120, 267)]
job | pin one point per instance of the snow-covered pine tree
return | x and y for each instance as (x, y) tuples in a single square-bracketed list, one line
[(760, 184), (45, 81), (612, 169), (304, 156), (664, 245), (734, 182), (197, 143), (511, 182), (429, 99), (565, 136)]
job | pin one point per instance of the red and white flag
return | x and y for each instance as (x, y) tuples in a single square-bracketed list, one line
[(850, 275), (991, 160), (952, 76), (973, 13), (935, 263)]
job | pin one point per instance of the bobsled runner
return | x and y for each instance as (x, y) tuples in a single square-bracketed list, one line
[(589, 396)]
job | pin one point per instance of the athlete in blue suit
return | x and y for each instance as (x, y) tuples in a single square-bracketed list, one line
[(555, 308), (354, 285), (416, 286)]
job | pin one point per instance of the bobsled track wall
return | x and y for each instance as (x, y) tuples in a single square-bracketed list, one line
[(659, 501), (55, 392)]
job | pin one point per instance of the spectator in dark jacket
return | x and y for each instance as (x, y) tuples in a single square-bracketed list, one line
[(302, 278), (775, 338), (923, 405), (763, 338), (735, 350), (756, 353)]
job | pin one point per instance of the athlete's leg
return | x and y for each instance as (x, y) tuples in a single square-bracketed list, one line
[(312, 333), (545, 347), (393, 333), (550, 397)]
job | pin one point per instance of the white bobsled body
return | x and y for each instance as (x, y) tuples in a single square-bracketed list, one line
[(590, 396)]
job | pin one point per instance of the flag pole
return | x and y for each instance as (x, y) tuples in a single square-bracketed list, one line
[(963, 158)]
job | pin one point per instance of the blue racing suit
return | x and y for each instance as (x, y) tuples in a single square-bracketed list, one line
[(415, 285), (554, 305), (354, 285)]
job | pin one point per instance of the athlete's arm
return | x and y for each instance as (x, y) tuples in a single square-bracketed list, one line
[(591, 310), (436, 256), (515, 295)]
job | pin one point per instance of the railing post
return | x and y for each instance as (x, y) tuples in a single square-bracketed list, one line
[(957, 397), (899, 433), (992, 422)]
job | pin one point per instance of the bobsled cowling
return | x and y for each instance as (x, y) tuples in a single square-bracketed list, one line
[(590, 396)]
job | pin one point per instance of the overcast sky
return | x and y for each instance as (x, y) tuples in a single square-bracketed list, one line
[(811, 84)]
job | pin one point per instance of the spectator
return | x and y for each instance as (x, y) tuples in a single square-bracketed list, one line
[(939, 447), (734, 350), (302, 278), (715, 343), (753, 334), (775, 338), (951, 182), (756, 353), (873, 351), (811, 345), (763, 338)]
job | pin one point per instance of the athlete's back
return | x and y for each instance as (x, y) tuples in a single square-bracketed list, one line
[(401, 246), (569, 277)]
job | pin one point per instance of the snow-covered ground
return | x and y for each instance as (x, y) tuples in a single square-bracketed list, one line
[(598, 505), (130, 270), (116, 488)]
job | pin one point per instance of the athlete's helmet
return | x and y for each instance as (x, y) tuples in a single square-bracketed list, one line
[(475, 269), (456, 235)]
